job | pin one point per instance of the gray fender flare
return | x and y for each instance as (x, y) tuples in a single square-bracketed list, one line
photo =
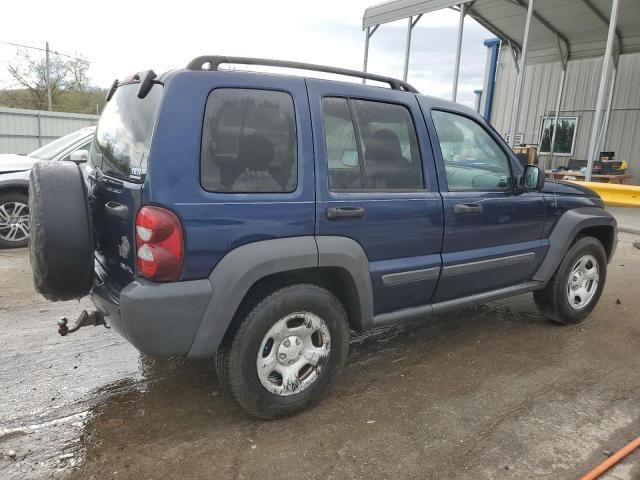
[(567, 227), (241, 268), (347, 254)]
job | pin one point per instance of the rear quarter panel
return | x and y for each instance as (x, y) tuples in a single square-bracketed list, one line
[(216, 223)]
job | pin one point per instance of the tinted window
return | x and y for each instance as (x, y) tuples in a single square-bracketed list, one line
[(123, 137), (473, 159), (380, 153), (249, 142), (341, 145)]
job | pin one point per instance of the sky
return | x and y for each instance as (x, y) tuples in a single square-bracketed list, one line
[(123, 37)]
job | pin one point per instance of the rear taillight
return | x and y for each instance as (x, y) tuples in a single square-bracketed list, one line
[(158, 244)]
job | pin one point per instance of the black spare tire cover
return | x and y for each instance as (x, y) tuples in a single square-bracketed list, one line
[(60, 239)]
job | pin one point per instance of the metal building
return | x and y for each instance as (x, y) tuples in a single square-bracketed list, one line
[(577, 105), (22, 131), (546, 35)]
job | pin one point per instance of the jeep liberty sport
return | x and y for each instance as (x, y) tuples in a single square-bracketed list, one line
[(257, 218)]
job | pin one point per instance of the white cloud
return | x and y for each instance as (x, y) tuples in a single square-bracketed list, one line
[(122, 37)]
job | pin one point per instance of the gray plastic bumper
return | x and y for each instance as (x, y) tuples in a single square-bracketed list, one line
[(156, 318)]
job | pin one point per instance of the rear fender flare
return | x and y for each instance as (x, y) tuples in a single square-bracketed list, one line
[(241, 268)]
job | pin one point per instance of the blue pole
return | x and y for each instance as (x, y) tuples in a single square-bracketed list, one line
[(494, 45)]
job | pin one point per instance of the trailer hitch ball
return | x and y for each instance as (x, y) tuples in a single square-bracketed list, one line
[(85, 319), (62, 326)]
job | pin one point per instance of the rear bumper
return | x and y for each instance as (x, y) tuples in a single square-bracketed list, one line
[(156, 318)]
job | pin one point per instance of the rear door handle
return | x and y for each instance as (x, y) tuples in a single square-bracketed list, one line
[(344, 212), (467, 208), (117, 210)]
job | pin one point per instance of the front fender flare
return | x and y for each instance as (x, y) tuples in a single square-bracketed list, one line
[(565, 231)]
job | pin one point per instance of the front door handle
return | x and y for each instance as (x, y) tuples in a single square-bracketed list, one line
[(344, 212), (467, 208)]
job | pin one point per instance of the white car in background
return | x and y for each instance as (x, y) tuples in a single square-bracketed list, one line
[(14, 182)]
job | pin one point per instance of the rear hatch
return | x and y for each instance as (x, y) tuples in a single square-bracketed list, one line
[(116, 170)]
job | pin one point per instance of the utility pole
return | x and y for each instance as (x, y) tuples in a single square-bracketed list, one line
[(48, 78)]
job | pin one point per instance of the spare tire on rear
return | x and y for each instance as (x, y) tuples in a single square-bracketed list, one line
[(60, 239)]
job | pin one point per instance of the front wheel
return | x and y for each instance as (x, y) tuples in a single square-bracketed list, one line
[(575, 288), (289, 347), (14, 220)]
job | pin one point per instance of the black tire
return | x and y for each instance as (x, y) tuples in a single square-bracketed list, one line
[(236, 361), (61, 242), (553, 302), (14, 231)]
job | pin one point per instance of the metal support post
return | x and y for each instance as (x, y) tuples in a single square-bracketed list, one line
[(557, 116), (593, 146), (515, 111), (368, 33), (456, 72), (412, 23), (605, 128), (407, 48)]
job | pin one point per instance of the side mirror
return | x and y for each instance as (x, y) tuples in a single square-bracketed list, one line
[(79, 156), (533, 178)]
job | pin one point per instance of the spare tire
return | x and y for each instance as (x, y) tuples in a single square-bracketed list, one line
[(60, 238)]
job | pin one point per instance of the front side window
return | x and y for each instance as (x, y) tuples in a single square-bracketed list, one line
[(249, 142), (472, 158), (370, 146)]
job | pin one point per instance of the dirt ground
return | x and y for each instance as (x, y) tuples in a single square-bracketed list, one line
[(490, 392)]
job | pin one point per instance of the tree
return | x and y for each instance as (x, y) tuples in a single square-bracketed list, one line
[(66, 75)]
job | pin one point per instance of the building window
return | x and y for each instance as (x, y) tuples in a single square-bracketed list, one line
[(565, 138)]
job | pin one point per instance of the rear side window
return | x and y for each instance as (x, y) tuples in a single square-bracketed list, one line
[(370, 146), (123, 136), (249, 142)]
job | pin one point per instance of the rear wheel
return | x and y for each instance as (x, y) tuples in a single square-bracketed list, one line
[(289, 347), (575, 288), (14, 220)]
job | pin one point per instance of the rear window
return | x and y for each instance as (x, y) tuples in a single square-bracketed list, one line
[(249, 142), (123, 137)]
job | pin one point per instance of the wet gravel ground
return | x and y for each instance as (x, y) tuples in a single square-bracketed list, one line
[(489, 392)]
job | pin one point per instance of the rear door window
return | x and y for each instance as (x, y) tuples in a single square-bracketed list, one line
[(249, 142), (371, 146), (123, 136)]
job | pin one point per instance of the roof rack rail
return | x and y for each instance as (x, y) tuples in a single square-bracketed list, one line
[(214, 61)]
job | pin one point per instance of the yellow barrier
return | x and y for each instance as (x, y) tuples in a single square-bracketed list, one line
[(615, 194)]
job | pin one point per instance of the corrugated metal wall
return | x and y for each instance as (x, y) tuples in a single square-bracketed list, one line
[(23, 131), (579, 99)]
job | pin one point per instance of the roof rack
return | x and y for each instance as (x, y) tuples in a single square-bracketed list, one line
[(214, 61)]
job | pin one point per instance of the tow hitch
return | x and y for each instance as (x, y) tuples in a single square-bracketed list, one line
[(85, 319)]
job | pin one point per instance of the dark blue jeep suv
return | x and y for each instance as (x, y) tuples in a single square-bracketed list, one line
[(257, 218)]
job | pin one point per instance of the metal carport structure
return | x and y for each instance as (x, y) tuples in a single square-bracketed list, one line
[(537, 31)]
